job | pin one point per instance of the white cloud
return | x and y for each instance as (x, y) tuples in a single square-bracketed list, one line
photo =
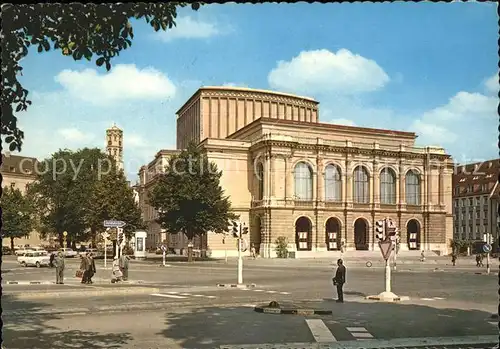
[(492, 85), (323, 71), (74, 135), (345, 122), (123, 82), (465, 125), (188, 27), (233, 84)]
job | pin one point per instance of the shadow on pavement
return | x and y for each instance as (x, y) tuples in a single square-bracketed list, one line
[(26, 331), (213, 327)]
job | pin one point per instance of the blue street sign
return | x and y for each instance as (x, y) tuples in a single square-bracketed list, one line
[(114, 224), (487, 248)]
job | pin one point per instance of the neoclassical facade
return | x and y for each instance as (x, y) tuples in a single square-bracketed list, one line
[(321, 185)]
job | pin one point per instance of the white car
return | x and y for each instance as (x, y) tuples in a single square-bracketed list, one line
[(23, 251), (35, 258), (67, 252)]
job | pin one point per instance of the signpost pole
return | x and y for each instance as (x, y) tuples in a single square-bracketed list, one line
[(387, 276), (240, 259), (164, 250), (488, 255), (105, 252)]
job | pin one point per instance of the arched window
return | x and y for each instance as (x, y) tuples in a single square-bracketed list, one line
[(412, 188), (387, 186), (260, 179), (361, 185), (333, 183), (303, 182)]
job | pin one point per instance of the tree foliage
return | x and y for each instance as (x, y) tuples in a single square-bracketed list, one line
[(113, 198), (72, 194), (18, 218), (188, 196), (77, 30)]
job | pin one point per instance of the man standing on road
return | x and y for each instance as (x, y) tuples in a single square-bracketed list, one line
[(59, 269), (339, 280), (83, 268), (123, 263)]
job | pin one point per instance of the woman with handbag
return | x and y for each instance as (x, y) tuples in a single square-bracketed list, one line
[(82, 273)]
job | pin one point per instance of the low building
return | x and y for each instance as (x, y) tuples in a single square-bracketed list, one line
[(19, 172), (475, 200), (317, 184)]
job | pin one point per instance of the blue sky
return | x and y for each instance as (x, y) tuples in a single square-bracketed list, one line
[(430, 68)]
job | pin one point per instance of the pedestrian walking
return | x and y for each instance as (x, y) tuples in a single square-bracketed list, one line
[(83, 268), (59, 268), (123, 264), (252, 251), (52, 257), (116, 272), (422, 256), (91, 268), (453, 258), (339, 280)]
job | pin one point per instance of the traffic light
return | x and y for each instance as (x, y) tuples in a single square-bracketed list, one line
[(391, 229), (245, 230), (120, 236), (380, 229), (236, 230)]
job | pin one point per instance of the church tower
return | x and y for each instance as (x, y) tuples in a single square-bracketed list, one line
[(114, 144)]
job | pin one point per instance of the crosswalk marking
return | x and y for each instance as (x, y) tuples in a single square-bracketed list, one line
[(360, 333), (178, 295), (167, 295), (320, 332)]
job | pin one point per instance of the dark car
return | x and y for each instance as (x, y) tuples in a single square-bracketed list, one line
[(6, 250)]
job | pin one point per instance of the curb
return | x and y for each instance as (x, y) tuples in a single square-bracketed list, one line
[(29, 282), (275, 308), (86, 293), (236, 286), (398, 299), (143, 306), (291, 311)]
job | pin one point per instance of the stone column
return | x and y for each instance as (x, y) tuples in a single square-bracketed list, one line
[(376, 185), (441, 187), (349, 184), (398, 188), (320, 193), (402, 188)]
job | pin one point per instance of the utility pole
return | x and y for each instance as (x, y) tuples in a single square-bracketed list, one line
[(238, 231)]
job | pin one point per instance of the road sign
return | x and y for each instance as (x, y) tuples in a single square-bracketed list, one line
[(105, 235), (385, 248), (114, 224), (65, 233), (163, 248), (487, 248)]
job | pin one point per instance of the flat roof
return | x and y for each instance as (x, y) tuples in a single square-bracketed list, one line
[(324, 126), (243, 89)]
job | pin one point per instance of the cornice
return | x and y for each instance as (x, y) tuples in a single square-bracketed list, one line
[(264, 97), (345, 150)]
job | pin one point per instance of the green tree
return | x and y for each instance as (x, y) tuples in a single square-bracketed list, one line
[(113, 198), (64, 191), (17, 215), (77, 30), (188, 196)]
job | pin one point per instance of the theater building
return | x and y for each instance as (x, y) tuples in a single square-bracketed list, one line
[(320, 185)]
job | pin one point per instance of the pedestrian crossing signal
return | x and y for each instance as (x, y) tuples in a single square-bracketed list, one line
[(236, 230), (380, 230)]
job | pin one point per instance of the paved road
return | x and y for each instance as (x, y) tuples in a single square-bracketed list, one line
[(454, 302), (213, 327)]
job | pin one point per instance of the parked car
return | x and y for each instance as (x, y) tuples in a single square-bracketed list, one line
[(6, 250), (23, 251), (67, 252), (34, 258)]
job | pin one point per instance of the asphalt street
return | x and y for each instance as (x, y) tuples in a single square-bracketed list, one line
[(183, 308)]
